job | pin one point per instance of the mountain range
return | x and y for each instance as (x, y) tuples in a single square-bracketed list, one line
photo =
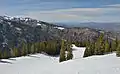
[(15, 30)]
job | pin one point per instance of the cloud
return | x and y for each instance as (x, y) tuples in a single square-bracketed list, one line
[(63, 10), (114, 5), (108, 14)]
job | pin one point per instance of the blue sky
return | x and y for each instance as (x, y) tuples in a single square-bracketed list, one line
[(63, 10)]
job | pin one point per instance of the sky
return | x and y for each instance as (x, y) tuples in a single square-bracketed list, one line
[(63, 10)]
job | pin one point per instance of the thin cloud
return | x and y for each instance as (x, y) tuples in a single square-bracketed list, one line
[(114, 5), (77, 14)]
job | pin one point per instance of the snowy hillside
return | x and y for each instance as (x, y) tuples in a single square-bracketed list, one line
[(42, 64)]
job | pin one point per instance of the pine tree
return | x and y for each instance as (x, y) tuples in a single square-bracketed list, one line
[(36, 47), (92, 48), (107, 47), (4, 56), (77, 43), (32, 48), (113, 46), (116, 41), (62, 52), (29, 47), (86, 53), (118, 51), (42, 46), (24, 49), (39, 49), (99, 45), (69, 52), (89, 51), (14, 52), (53, 46), (48, 48)]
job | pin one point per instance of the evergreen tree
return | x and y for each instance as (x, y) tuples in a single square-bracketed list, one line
[(36, 47), (62, 52), (32, 48), (14, 52), (118, 51), (53, 46), (42, 46), (89, 51), (92, 48), (86, 53), (69, 52), (24, 49), (5, 53), (29, 47), (48, 48), (39, 49), (77, 43), (4, 56), (116, 41), (107, 47), (99, 45), (113, 46)]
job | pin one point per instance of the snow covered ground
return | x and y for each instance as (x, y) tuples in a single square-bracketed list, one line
[(42, 64), (78, 52)]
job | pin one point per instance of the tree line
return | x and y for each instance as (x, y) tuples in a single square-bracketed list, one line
[(55, 47), (102, 46), (51, 47)]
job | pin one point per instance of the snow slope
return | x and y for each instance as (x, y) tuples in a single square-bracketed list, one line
[(78, 52), (42, 64)]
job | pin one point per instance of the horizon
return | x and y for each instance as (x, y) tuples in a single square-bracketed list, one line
[(63, 10)]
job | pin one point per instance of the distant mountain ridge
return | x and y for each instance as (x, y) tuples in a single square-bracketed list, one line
[(96, 25)]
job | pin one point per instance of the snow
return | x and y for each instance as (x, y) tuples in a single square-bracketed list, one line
[(78, 52), (1, 20), (11, 18), (16, 17), (18, 28), (26, 19), (107, 64), (60, 28), (43, 64), (19, 17), (9, 23), (38, 24), (101, 31), (8, 17), (5, 17)]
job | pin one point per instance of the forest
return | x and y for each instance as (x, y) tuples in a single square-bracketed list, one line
[(63, 48)]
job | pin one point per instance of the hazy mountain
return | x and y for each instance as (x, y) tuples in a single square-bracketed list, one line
[(95, 25)]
